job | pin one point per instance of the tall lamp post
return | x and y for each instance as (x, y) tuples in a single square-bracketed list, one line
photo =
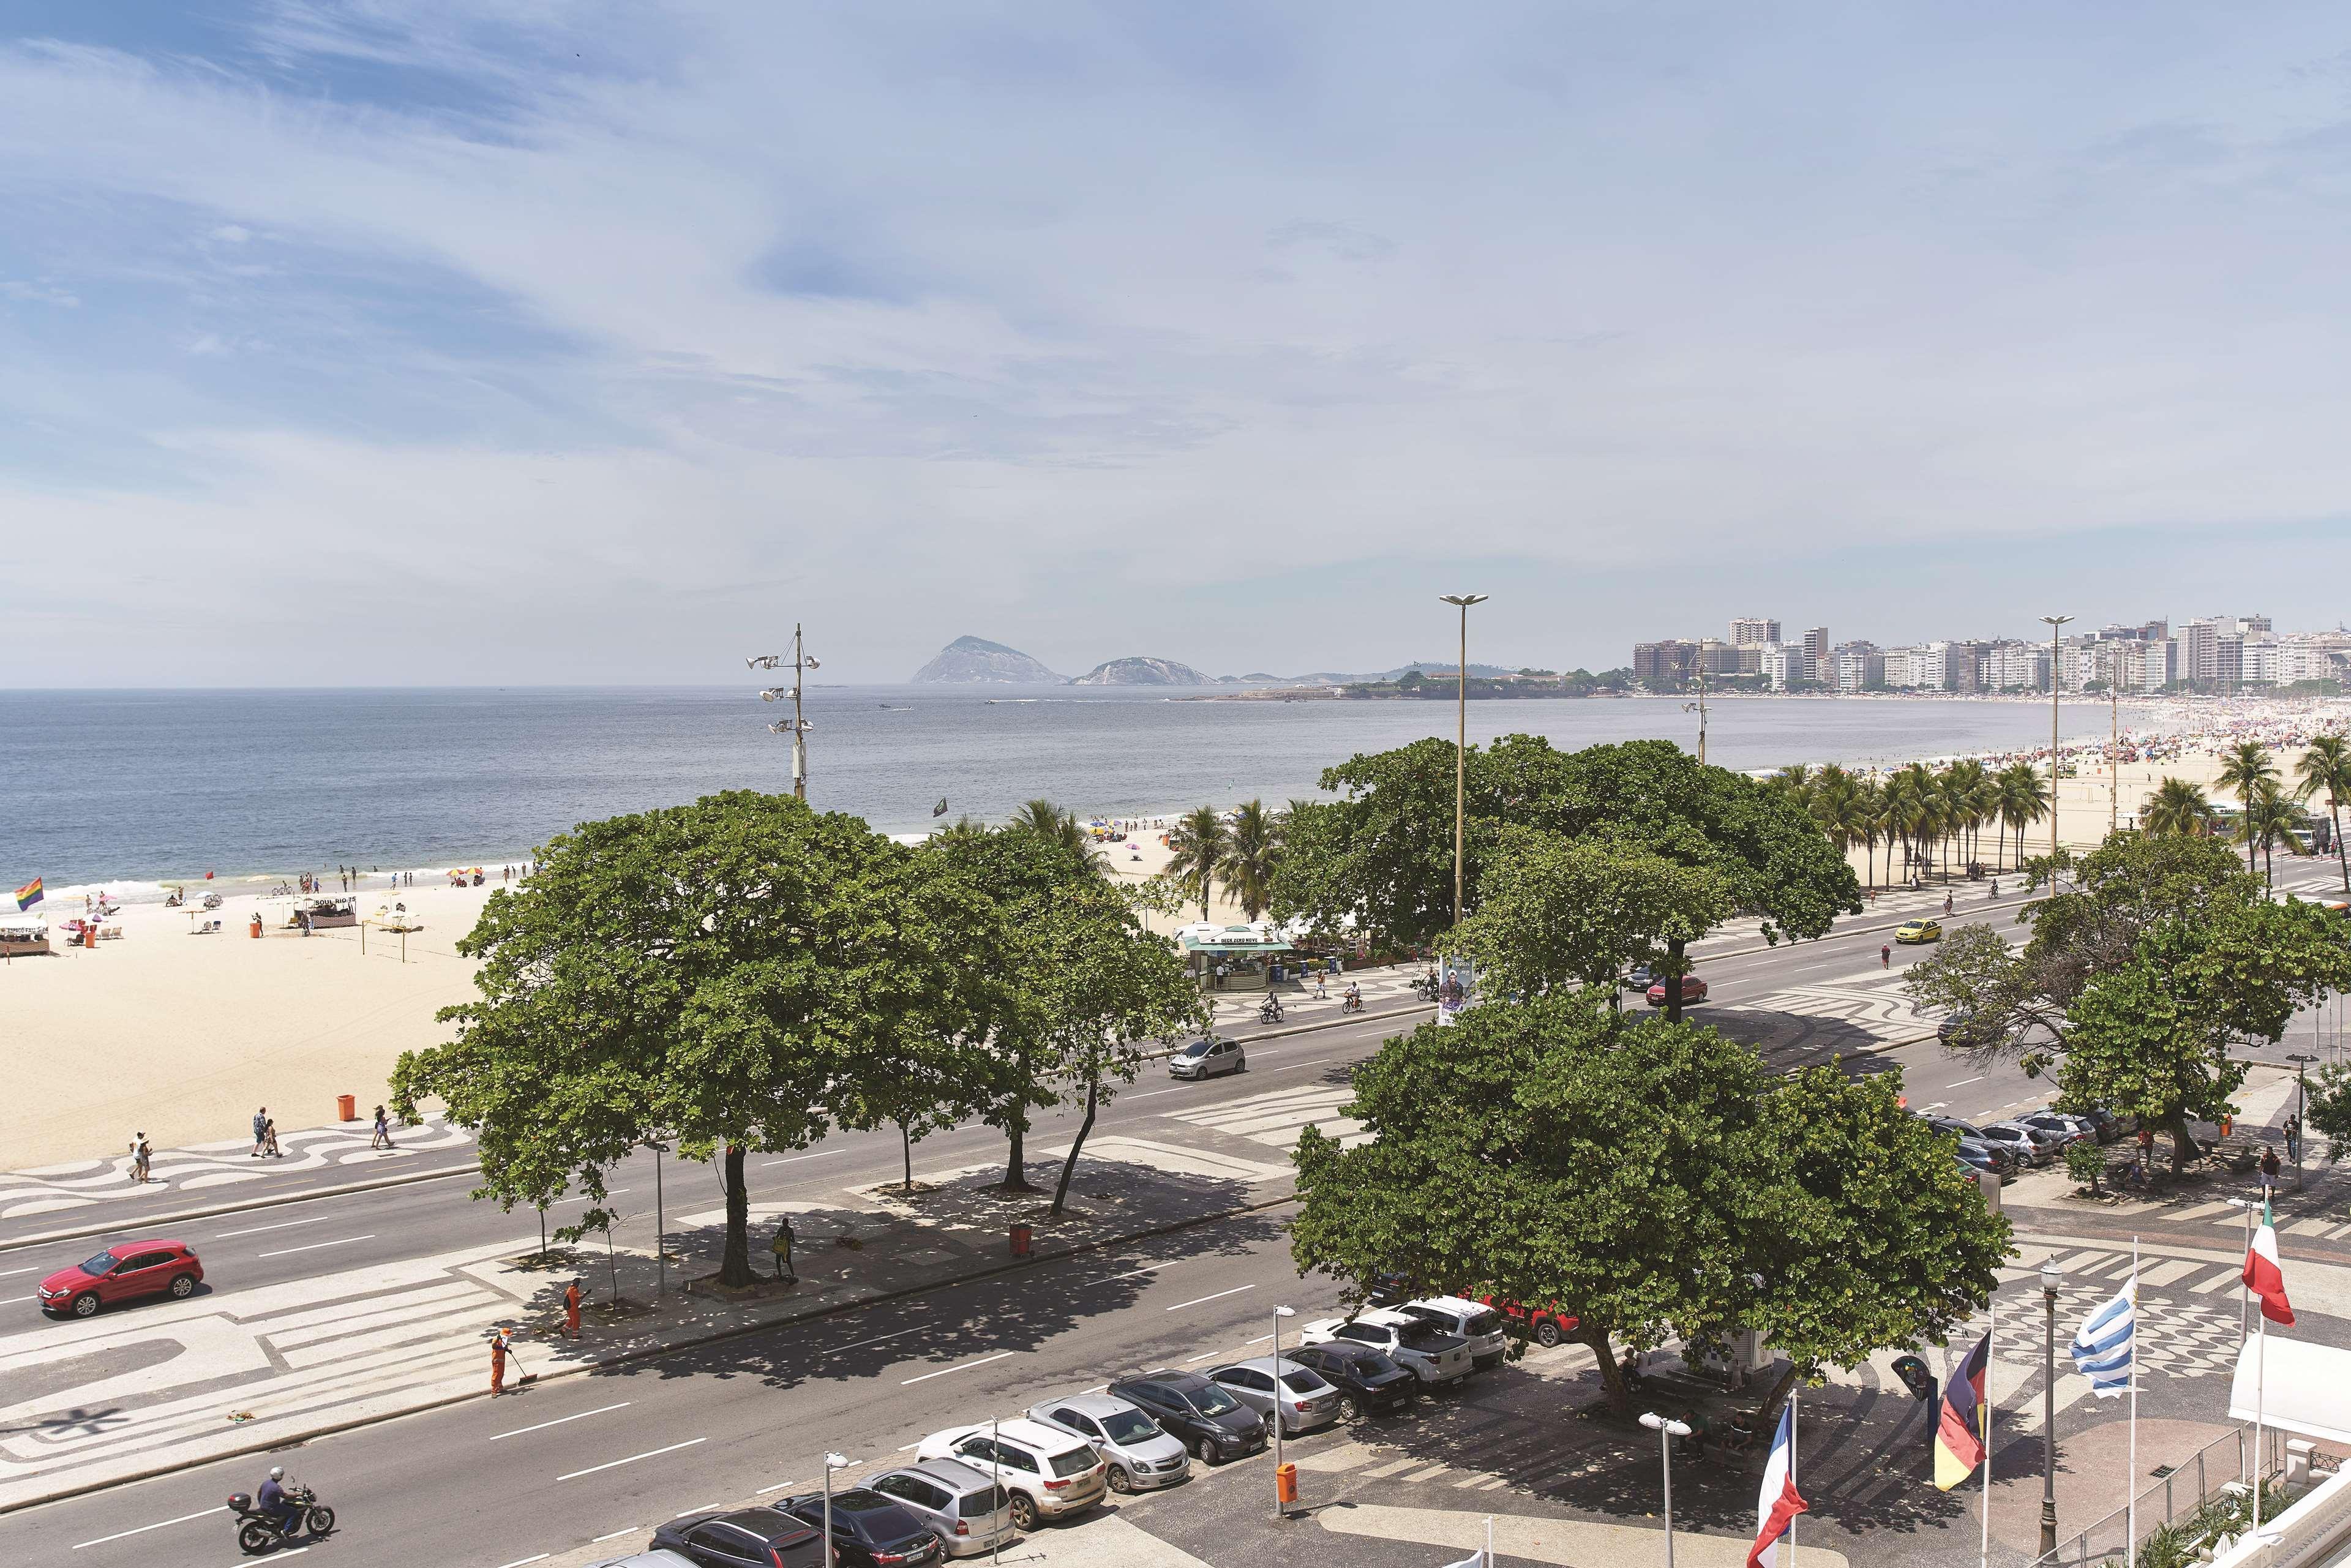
[(1278, 1313), (2302, 1061), (2050, 1278), (2054, 621), (1462, 740), (1666, 1432), (799, 663)]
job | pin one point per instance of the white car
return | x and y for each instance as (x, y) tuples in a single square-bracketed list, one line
[(1051, 1474), (1433, 1355), (1141, 1454), (1475, 1322)]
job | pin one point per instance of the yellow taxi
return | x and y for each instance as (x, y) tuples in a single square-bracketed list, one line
[(1916, 931)]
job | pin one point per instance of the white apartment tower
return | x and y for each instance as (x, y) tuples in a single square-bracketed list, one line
[(1753, 631)]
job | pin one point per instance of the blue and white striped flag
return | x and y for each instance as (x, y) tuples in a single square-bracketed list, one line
[(2103, 1347)]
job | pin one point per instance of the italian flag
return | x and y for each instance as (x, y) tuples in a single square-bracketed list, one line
[(2263, 1276)]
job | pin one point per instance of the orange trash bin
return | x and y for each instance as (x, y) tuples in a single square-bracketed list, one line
[(346, 1108), (1021, 1241), (1285, 1483)]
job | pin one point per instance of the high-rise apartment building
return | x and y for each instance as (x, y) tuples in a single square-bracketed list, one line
[(1817, 666), (1665, 665), (2010, 665), (1857, 667), (1753, 631)]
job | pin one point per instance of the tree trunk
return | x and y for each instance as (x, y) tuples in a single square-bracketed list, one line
[(734, 1270), (1612, 1376), (906, 1148), (2342, 857), (1768, 1415), (1015, 1129), (1069, 1166), (2181, 1142), (1674, 964)]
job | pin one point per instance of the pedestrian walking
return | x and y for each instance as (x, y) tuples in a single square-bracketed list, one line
[(269, 1138), (382, 1138), (780, 1251), (571, 1311), (140, 1157), (2294, 1137), (260, 1130), (2269, 1168), (1885, 955)]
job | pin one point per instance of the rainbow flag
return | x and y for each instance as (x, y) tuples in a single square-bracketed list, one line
[(28, 895)]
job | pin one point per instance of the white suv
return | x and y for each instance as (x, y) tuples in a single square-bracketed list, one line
[(1433, 1355), (1049, 1474), (1480, 1324)]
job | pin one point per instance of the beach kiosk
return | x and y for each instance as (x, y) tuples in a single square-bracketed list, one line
[(23, 936), (1246, 952)]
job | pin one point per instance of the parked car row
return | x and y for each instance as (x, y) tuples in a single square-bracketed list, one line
[(2032, 1138)]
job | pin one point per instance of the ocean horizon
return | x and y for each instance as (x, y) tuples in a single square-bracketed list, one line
[(130, 789)]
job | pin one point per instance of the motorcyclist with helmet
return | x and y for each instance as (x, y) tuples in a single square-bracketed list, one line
[(274, 1501)]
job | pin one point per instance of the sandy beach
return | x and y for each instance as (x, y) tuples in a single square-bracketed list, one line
[(182, 1037)]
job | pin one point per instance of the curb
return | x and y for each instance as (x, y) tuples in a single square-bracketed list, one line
[(620, 1358), (406, 1178), (1849, 931), (1283, 1033)]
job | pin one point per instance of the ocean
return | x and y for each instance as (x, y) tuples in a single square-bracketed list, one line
[(129, 790)]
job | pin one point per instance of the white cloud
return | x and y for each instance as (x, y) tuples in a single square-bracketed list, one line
[(951, 303)]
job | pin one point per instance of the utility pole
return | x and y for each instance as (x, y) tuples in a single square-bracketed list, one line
[(2055, 622), (799, 663), (1702, 702), (1461, 742)]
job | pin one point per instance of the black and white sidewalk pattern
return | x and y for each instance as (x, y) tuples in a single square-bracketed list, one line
[(88, 1184)]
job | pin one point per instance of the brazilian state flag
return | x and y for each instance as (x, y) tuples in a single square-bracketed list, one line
[(1960, 1437)]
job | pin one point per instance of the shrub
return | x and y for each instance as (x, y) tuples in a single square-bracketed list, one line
[(2086, 1163)]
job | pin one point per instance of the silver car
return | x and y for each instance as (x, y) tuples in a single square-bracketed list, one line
[(967, 1511), (2035, 1146), (1298, 1394), (1207, 1057), (1142, 1456)]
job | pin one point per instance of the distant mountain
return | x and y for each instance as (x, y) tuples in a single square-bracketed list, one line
[(1142, 673), (975, 660)]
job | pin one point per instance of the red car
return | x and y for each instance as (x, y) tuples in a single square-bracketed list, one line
[(119, 1273), (1545, 1326), (1693, 990)]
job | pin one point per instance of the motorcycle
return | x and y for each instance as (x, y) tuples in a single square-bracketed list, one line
[(1425, 989), (261, 1532), (1269, 1010)]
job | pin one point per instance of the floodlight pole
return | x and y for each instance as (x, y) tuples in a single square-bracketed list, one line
[(2054, 621), (1461, 741)]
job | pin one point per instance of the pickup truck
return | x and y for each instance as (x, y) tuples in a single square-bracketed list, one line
[(1433, 1355)]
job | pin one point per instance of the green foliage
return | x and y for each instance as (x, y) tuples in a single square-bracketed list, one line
[(1556, 912), (2328, 1111), (2325, 769), (707, 973), (1384, 851), (2178, 810), (2086, 1163), (1197, 846), (1252, 846), (1643, 1178), (2140, 978)]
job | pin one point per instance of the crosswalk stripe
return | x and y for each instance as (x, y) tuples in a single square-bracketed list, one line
[(2232, 1279), (2165, 1272)]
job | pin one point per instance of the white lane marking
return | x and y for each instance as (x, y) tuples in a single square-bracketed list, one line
[(697, 1507), (967, 1366), (1260, 1340), (283, 1251), (519, 1561), (795, 1159), (1220, 1296), (143, 1529), (559, 1202), (1150, 1094), (287, 1225), (1963, 1083), (624, 1530), (1203, 1357), (8, 1301), (12, 1273), (910, 1448), (1138, 1273), (632, 1459), (559, 1421), (1097, 1388), (877, 1339)]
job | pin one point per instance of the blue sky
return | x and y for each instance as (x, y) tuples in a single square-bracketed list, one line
[(506, 340)]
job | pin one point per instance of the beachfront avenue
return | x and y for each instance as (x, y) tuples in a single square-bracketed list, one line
[(837, 1028)]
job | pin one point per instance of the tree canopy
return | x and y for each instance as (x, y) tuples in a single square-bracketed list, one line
[(1650, 1180)]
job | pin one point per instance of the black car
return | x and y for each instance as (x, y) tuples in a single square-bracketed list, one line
[(870, 1530), (1369, 1381), (1201, 1415), (1963, 1032), (744, 1538)]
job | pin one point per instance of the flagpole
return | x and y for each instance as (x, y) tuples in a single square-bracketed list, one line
[(1992, 1331), (2260, 1390), (1792, 1470), (2130, 1499)]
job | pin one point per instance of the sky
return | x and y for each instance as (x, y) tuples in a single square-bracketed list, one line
[(506, 341)]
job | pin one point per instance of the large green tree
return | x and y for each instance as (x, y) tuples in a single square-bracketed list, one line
[(717, 974), (1383, 852), (1652, 1180), (1555, 911), (2142, 980)]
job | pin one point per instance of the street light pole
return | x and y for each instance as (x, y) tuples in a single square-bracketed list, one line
[(1666, 1432), (2055, 622), (2302, 1061), (1461, 741), (2050, 1278), (799, 663), (1278, 1313), (831, 1462)]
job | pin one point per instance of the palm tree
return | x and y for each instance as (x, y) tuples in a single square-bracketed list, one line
[(2178, 810), (1836, 805), (2248, 768), (1871, 808), (2327, 766), (1795, 781), (1198, 841), (2267, 822), (1252, 848), (1055, 826), (2022, 801), (1963, 786)]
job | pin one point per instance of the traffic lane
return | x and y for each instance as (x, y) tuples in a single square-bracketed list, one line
[(493, 1482), (304, 1237)]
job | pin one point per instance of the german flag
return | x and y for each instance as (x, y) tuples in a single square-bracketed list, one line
[(1960, 1437)]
